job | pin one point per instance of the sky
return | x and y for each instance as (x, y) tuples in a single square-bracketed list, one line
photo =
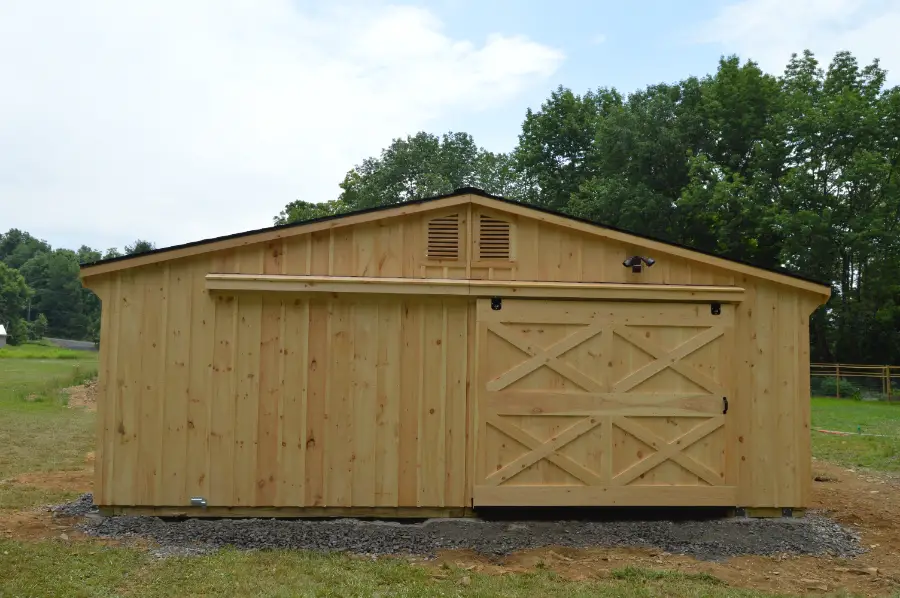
[(179, 120)]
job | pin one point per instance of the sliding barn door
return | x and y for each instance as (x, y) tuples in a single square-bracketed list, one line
[(603, 403)]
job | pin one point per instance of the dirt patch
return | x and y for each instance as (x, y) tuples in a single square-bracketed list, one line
[(63, 481), (781, 574), (37, 524), (83, 396), (867, 503)]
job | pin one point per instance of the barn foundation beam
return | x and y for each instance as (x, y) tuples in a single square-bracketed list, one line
[(290, 512), (768, 512)]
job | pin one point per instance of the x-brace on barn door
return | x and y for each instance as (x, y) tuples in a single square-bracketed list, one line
[(603, 403)]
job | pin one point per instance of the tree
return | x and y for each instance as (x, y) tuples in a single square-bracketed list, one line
[(798, 171), (37, 329), (14, 296), (139, 246), (557, 150), (86, 255), (90, 302), (59, 294), (841, 202), (420, 166), (299, 211), (17, 247)]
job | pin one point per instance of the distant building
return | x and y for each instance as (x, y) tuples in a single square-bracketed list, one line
[(2, 336)]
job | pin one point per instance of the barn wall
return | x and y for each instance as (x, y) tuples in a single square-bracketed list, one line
[(251, 400)]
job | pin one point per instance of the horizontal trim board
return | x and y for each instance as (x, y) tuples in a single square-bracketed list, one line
[(289, 512), (605, 496), (470, 288), (513, 402)]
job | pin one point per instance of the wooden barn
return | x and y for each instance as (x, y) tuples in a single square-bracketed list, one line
[(446, 354)]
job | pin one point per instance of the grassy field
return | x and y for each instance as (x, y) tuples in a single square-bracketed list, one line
[(87, 570), (40, 351), (881, 453), (39, 433)]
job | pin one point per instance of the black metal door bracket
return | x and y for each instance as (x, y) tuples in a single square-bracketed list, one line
[(715, 309), (496, 303)]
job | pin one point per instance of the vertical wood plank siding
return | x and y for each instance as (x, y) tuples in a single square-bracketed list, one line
[(271, 400)]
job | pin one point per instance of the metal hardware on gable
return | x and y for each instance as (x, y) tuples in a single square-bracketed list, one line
[(198, 501), (496, 303), (715, 309), (636, 263), (724, 405)]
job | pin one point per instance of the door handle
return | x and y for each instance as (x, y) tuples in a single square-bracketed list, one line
[(724, 405)]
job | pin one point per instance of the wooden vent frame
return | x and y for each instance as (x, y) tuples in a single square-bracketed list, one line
[(443, 237), (494, 239)]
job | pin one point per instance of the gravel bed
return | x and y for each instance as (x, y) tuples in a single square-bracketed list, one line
[(711, 539)]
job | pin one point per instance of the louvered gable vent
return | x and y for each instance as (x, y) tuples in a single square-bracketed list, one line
[(493, 239), (443, 237)]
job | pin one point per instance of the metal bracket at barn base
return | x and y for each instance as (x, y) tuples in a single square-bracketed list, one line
[(767, 512)]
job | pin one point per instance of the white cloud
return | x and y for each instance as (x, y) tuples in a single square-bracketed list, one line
[(769, 31), (176, 121)]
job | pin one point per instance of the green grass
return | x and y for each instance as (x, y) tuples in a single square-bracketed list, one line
[(41, 350), (37, 431), (869, 417), (90, 570)]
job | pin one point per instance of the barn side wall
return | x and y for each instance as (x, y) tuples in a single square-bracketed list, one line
[(251, 400)]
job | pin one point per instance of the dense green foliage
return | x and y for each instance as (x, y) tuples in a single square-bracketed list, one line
[(798, 171), (40, 290)]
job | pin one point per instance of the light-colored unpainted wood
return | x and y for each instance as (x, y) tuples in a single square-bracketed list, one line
[(604, 496), (386, 457), (127, 399), (553, 387), (200, 361), (176, 380), (295, 391), (269, 369), (318, 372), (108, 292), (444, 287), (289, 512)]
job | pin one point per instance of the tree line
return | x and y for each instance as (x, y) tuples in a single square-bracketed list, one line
[(40, 289), (798, 171)]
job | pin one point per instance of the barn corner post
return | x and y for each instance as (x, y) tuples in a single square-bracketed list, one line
[(102, 457)]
